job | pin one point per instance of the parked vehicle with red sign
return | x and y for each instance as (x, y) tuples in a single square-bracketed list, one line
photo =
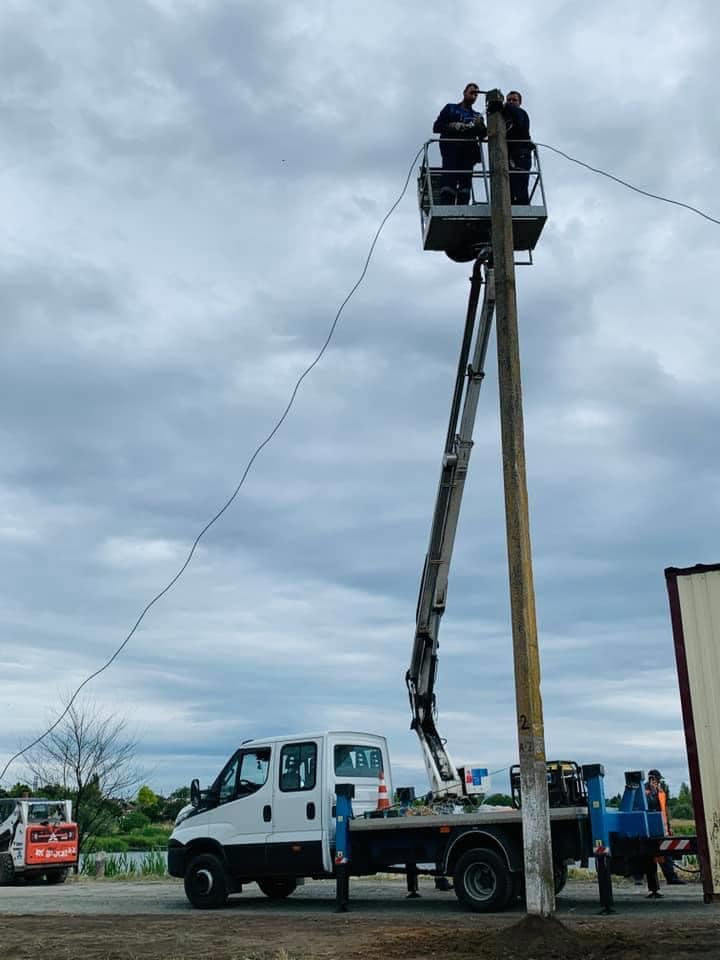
[(37, 837)]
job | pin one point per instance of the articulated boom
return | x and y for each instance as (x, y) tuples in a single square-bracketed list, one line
[(421, 676)]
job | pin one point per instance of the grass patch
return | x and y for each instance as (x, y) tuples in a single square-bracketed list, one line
[(122, 866)]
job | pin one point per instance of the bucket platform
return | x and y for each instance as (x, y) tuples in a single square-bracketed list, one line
[(462, 229)]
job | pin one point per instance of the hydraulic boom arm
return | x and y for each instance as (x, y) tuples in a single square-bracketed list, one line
[(421, 676)]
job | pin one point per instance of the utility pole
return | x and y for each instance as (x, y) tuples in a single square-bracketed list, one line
[(539, 882)]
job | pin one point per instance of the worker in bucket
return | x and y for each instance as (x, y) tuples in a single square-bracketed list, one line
[(461, 128), (519, 147)]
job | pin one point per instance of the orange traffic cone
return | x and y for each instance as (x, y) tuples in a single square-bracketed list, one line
[(383, 799)]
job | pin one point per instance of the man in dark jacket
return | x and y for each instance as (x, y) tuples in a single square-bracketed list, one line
[(461, 129), (519, 147)]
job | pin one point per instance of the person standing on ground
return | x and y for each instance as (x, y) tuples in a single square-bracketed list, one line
[(657, 802), (656, 796), (461, 129), (519, 147)]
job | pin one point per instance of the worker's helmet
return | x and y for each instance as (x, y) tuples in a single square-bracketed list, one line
[(655, 773)]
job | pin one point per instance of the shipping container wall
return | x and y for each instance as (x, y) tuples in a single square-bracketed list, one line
[(695, 595)]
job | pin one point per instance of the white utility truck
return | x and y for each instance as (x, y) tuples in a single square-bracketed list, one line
[(272, 816), (37, 837)]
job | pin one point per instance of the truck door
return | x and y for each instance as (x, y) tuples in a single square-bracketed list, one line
[(295, 848), (241, 820)]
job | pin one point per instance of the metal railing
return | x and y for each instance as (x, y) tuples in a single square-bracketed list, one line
[(474, 184)]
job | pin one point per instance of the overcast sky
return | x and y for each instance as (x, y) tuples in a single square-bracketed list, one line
[(189, 189)]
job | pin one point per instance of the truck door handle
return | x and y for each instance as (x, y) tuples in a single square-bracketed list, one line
[(267, 813), (310, 811)]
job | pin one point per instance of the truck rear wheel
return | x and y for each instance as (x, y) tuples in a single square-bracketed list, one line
[(7, 869), (55, 876), (482, 881), (277, 888), (206, 882)]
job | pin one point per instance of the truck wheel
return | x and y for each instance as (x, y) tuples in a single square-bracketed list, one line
[(206, 882), (7, 868), (482, 881), (277, 888), (560, 874), (55, 876)]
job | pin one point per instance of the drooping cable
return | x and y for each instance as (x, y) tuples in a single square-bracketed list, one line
[(237, 489), (630, 186)]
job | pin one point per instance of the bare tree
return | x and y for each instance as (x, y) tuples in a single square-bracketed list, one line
[(90, 757)]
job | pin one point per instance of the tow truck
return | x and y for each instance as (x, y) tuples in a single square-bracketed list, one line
[(286, 808), (38, 837)]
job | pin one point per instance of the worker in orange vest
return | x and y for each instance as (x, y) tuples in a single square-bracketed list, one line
[(657, 802)]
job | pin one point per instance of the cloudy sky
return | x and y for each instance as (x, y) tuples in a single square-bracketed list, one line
[(189, 189)]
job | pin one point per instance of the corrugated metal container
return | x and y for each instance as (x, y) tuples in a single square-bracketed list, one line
[(694, 594)]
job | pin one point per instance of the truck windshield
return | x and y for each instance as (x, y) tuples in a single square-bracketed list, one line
[(353, 760)]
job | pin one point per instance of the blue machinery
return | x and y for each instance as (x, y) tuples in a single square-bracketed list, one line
[(628, 840)]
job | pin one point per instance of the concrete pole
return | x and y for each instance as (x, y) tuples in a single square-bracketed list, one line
[(539, 883)]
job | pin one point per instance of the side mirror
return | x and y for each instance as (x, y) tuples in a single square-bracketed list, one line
[(195, 793)]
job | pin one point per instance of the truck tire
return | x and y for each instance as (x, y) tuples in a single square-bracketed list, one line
[(277, 888), (55, 876), (206, 882), (482, 881)]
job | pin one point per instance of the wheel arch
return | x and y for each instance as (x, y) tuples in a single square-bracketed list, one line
[(204, 845), (486, 838)]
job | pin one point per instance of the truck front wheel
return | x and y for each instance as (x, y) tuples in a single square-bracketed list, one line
[(482, 881), (277, 888), (206, 882)]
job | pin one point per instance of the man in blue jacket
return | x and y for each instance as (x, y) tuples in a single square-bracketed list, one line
[(461, 129), (520, 146)]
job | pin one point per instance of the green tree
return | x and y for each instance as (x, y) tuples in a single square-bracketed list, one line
[(170, 807), (149, 803), (135, 820)]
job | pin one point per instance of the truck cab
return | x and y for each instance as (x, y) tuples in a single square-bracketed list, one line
[(269, 814)]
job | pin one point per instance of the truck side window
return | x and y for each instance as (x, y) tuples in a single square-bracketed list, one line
[(298, 766), (352, 760), (254, 768), (244, 774)]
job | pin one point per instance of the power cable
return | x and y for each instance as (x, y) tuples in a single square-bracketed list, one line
[(237, 489), (630, 186)]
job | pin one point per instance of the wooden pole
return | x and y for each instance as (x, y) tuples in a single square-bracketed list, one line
[(539, 883)]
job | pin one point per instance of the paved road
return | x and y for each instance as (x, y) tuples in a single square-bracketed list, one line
[(316, 897)]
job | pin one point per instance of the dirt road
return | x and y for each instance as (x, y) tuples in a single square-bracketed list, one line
[(152, 920)]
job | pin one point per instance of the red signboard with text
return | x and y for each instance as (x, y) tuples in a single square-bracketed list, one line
[(51, 844)]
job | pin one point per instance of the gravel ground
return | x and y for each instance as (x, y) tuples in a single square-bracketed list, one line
[(317, 896)]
